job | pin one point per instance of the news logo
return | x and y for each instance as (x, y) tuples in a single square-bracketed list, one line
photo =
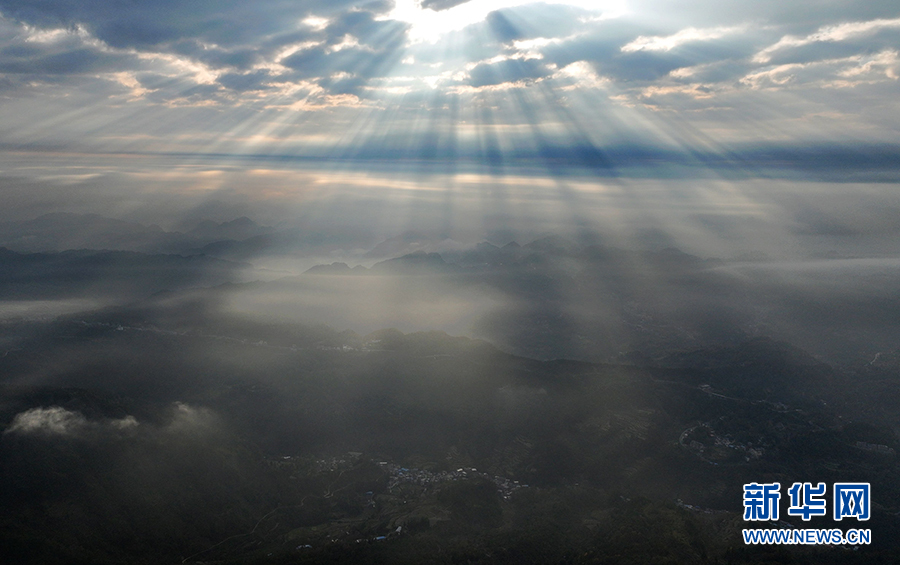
[(849, 500)]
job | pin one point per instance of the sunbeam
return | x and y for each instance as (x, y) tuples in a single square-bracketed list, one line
[(449, 281)]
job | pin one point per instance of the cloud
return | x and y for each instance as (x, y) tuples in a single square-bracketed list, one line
[(230, 39), (508, 71), (75, 61), (153, 23), (831, 33), (182, 419), (278, 57), (688, 35), (57, 421), (438, 5), (245, 82), (797, 15), (187, 419), (832, 73), (53, 420), (30, 55), (355, 48)]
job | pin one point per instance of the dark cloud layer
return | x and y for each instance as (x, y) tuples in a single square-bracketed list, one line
[(511, 70), (438, 5), (583, 73), (796, 15), (151, 23), (373, 47)]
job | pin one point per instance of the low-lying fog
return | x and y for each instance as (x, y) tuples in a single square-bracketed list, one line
[(541, 266)]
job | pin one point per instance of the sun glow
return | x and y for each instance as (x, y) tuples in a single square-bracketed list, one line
[(429, 25)]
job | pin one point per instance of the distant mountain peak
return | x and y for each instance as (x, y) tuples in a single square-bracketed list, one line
[(415, 261), (237, 229), (240, 222), (335, 268), (411, 241), (552, 243)]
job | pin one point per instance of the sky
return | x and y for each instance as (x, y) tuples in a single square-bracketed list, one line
[(124, 100), (762, 132)]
